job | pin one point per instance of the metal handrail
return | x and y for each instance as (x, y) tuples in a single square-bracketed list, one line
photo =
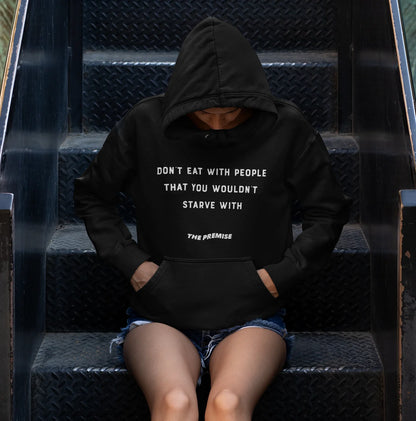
[(11, 67), (405, 73)]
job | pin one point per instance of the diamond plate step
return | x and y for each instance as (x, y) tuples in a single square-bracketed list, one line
[(332, 376), (84, 294), (114, 81), (163, 24), (77, 152)]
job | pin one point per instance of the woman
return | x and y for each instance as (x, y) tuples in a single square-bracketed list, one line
[(213, 167)]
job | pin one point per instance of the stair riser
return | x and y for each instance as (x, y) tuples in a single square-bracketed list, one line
[(92, 395), (83, 294), (73, 162), (110, 90), (163, 24)]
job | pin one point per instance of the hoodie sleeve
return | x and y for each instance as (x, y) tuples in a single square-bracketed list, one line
[(325, 210), (96, 197)]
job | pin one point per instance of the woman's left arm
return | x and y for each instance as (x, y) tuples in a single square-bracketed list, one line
[(325, 211)]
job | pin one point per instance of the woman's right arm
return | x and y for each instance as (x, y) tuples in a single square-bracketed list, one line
[(96, 197)]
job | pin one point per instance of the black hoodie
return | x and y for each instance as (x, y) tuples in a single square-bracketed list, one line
[(213, 206)]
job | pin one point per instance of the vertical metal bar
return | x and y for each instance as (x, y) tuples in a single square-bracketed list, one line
[(344, 42), (407, 304), (6, 306), (75, 66)]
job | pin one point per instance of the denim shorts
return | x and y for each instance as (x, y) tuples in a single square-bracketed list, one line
[(205, 341)]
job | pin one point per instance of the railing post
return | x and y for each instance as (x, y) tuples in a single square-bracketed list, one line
[(75, 66), (407, 304), (344, 35), (6, 305)]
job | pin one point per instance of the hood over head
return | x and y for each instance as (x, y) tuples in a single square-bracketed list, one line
[(216, 67)]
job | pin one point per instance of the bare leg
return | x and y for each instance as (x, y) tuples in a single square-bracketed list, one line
[(166, 366), (241, 368)]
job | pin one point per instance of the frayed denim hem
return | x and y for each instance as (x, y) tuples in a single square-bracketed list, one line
[(205, 341), (119, 339)]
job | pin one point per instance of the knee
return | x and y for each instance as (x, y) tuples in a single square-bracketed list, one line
[(226, 402), (177, 401)]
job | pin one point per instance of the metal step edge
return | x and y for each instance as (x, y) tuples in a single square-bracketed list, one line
[(92, 142), (162, 58), (73, 238), (313, 353)]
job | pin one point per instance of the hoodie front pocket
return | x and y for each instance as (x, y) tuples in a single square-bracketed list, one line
[(205, 293), (148, 286), (259, 280)]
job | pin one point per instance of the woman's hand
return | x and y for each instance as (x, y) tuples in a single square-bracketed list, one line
[(268, 283), (142, 275)]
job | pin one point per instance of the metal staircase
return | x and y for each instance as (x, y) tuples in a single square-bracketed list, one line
[(129, 48)]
